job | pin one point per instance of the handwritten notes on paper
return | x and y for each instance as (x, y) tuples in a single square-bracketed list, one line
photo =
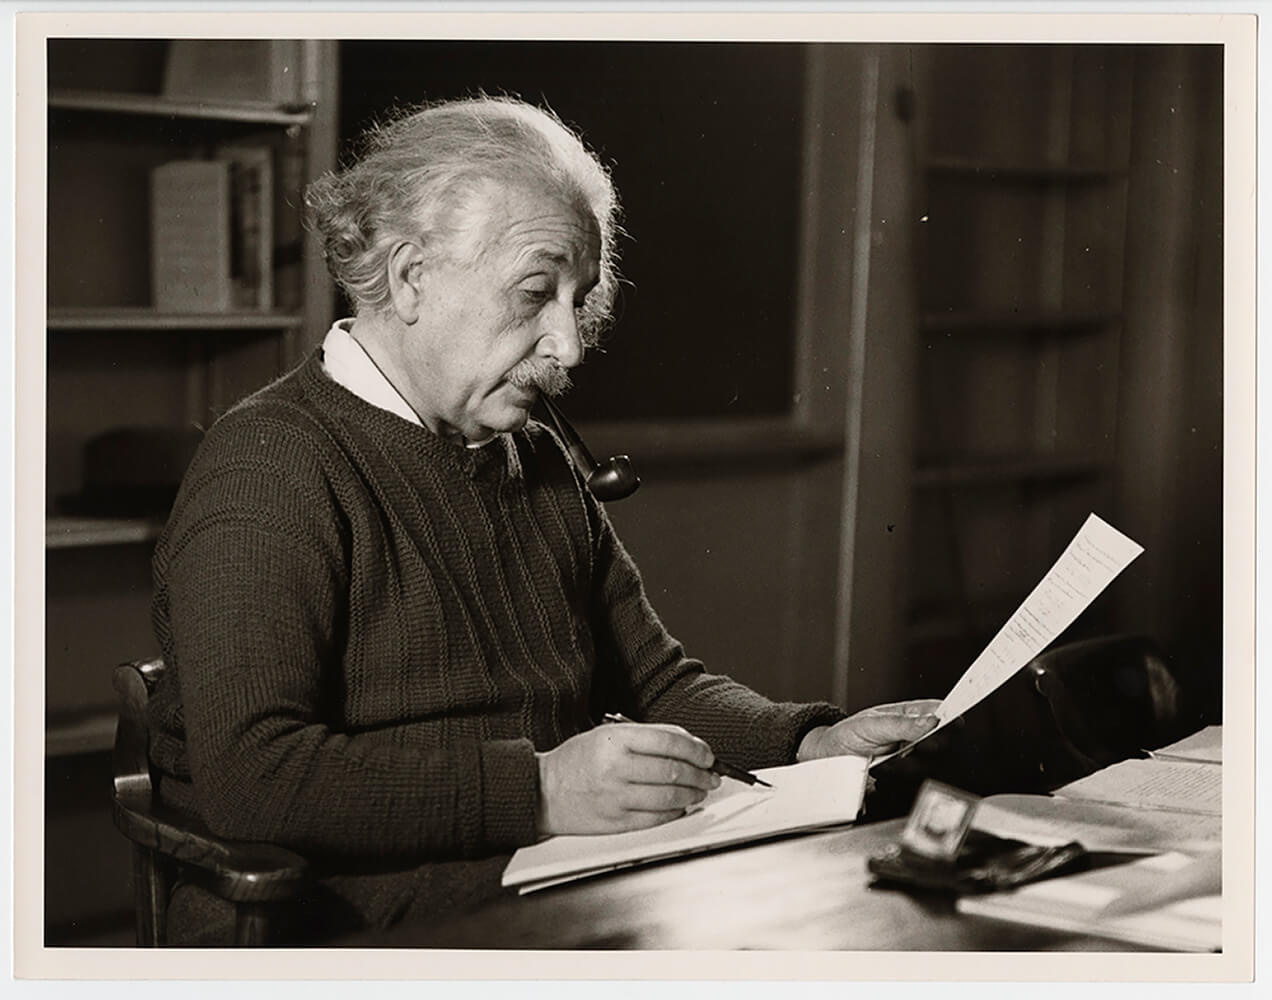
[(1097, 554)]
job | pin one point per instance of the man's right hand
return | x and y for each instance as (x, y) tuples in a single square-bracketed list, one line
[(624, 776)]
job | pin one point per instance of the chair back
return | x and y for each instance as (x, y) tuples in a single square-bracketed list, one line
[(1111, 697)]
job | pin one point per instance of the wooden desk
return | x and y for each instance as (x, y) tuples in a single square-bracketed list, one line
[(808, 893)]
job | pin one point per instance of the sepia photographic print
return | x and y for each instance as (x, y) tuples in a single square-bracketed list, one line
[(639, 451)]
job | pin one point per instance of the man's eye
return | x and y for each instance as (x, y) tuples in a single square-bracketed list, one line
[(536, 294)]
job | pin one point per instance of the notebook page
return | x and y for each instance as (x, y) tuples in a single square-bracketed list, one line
[(803, 796)]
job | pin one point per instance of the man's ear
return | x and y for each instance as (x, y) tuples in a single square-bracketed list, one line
[(406, 280)]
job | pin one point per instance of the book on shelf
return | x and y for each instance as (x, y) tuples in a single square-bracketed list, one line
[(190, 236), (251, 225), (212, 232), (235, 69)]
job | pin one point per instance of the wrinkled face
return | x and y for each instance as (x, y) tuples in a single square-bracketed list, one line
[(493, 334)]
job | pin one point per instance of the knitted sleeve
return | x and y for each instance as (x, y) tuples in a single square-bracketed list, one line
[(645, 671), (254, 585)]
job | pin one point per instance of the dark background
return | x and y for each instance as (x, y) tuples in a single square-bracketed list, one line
[(706, 320)]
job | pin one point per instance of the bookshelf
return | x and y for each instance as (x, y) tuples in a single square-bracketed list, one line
[(115, 361), (1021, 164)]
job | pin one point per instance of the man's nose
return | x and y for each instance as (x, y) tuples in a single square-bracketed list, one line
[(561, 341)]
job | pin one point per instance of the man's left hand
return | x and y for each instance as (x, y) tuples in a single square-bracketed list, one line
[(873, 731)]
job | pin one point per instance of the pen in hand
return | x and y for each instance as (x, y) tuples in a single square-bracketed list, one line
[(718, 767)]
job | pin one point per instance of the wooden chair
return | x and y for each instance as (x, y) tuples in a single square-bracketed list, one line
[(254, 878), (1073, 710), (1112, 697)]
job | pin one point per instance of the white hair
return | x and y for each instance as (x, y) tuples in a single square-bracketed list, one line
[(419, 171)]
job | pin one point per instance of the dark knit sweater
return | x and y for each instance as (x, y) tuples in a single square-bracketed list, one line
[(370, 631)]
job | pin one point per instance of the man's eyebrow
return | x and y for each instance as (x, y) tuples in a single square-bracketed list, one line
[(542, 255)]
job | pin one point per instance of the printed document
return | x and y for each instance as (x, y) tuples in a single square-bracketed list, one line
[(1098, 826), (1174, 785), (1097, 554)]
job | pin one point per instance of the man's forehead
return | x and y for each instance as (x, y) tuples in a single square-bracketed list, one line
[(541, 227)]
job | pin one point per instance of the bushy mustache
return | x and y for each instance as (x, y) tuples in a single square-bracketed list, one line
[(535, 373)]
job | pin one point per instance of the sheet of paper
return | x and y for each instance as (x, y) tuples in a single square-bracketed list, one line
[(1082, 903), (1176, 785), (1097, 826), (1097, 554), (1205, 746), (803, 796)]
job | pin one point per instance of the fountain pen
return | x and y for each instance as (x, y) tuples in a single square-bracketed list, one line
[(718, 767)]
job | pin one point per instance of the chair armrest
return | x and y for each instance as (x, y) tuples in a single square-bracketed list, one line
[(239, 871)]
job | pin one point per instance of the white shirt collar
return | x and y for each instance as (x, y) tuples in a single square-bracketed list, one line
[(349, 365), (344, 360)]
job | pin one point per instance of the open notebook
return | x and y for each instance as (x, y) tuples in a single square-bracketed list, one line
[(804, 796)]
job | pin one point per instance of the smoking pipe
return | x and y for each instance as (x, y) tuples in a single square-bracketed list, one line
[(612, 479)]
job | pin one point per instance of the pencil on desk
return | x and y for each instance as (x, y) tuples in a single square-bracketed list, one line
[(718, 767)]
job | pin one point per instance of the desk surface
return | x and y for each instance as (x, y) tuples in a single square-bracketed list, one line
[(808, 893)]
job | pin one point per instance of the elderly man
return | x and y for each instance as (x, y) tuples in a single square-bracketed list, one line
[(392, 611)]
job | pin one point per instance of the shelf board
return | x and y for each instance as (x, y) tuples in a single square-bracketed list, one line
[(85, 532), (1003, 471), (990, 171), (702, 444), (82, 318), (1013, 321), (250, 112), (89, 734)]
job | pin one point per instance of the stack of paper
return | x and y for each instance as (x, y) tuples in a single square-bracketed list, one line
[(1098, 826), (1171, 801), (1168, 807), (1117, 902), (806, 796)]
